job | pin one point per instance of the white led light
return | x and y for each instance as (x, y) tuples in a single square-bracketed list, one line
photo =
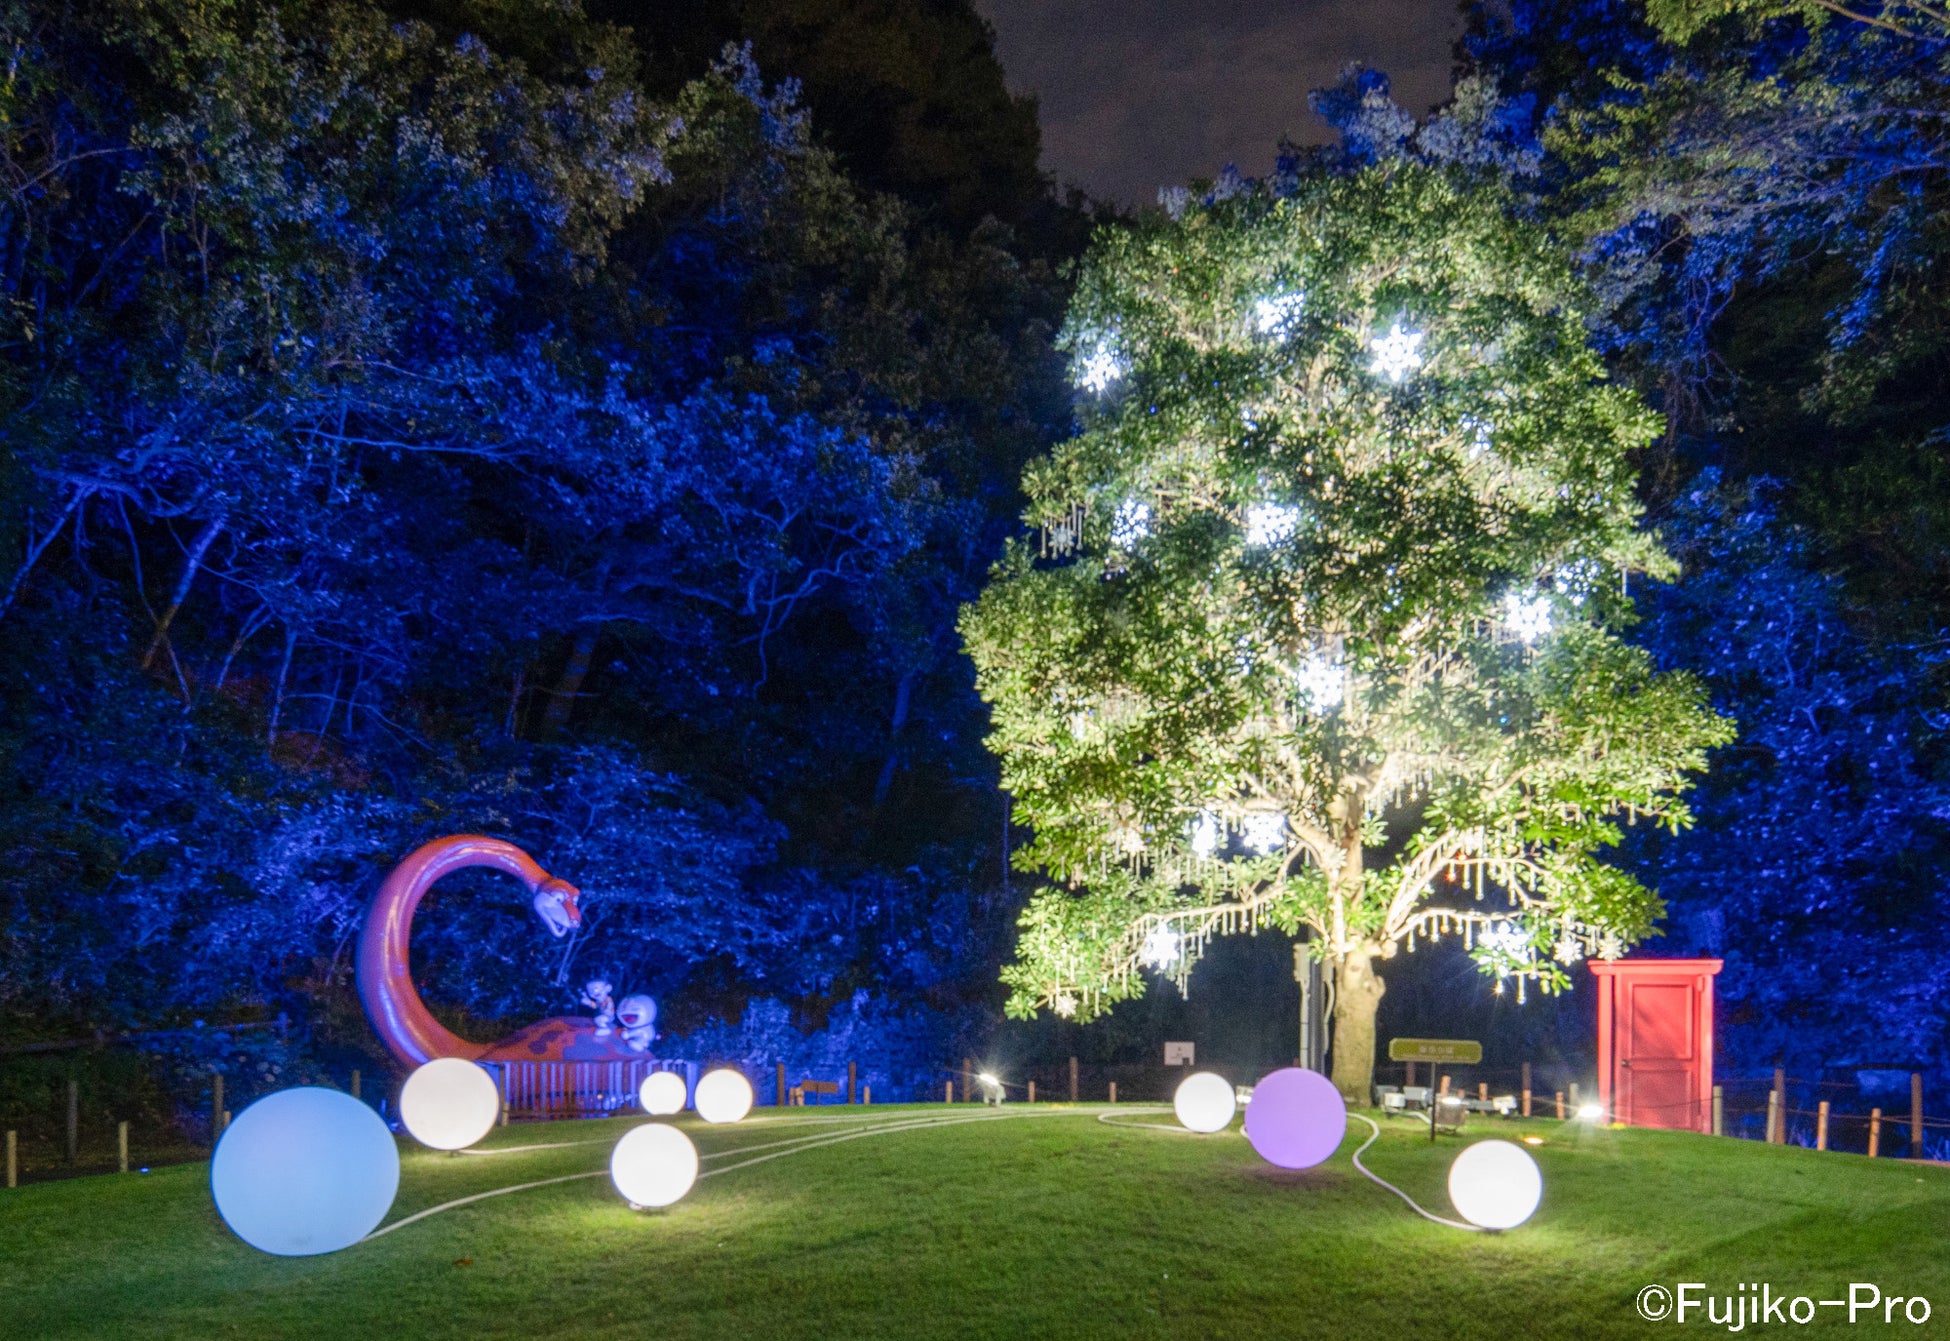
[(1495, 1184), (1207, 836), (1591, 1112), (449, 1103), (1397, 353), (1264, 833), (1529, 616), (653, 1165), (1099, 368), (723, 1096), (1271, 523), (662, 1093), (1279, 314), (1322, 682), (1160, 948), (1131, 524), (1205, 1102)]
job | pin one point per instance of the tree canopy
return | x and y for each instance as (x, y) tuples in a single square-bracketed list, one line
[(1322, 631)]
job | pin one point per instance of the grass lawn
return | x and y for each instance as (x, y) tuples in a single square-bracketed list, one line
[(1042, 1223)]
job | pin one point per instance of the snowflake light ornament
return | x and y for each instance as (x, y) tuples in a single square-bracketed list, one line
[(1396, 354), (1278, 314), (1064, 1004), (1271, 523), (1321, 682), (1567, 950), (1528, 616), (1099, 368), (1160, 948), (1506, 938), (1264, 833), (1131, 523), (1611, 946)]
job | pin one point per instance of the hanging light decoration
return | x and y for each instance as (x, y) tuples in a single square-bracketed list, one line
[(1098, 368), (1207, 834), (1321, 682), (1131, 523), (1271, 524), (1396, 354), (1527, 615), (1161, 948), (1278, 314), (1264, 833)]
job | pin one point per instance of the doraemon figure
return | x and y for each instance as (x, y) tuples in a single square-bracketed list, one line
[(638, 1016)]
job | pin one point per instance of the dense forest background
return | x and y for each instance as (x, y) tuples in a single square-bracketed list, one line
[(584, 423)]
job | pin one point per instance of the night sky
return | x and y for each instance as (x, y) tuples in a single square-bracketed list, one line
[(1138, 94)]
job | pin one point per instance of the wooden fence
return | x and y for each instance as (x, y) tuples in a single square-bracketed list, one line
[(578, 1089)]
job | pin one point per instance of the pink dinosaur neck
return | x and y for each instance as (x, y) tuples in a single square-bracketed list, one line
[(385, 982)]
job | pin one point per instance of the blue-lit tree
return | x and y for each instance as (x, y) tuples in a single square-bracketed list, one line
[(1320, 631)]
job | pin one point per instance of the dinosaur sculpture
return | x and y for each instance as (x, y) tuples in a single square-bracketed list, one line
[(393, 1004)]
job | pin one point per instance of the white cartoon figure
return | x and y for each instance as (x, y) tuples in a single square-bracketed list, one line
[(638, 1016), (596, 996)]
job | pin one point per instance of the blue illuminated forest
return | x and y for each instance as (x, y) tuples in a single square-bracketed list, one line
[(586, 422)]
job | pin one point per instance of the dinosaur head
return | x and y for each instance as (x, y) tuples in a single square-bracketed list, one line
[(555, 904)]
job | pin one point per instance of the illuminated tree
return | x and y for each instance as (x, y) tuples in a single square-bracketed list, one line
[(1319, 631)]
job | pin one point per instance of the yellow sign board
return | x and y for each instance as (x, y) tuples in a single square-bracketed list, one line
[(1460, 1051)]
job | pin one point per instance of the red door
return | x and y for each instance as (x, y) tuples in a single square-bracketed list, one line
[(1655, 1041), (1658, 1070)]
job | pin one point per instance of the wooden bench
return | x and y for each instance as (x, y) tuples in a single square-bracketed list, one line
[(818, 1088)]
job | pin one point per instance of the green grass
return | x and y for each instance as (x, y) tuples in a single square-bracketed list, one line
[(1045, 1225)]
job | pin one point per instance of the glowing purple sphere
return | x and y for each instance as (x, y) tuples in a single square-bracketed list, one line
[(1296, 1118)]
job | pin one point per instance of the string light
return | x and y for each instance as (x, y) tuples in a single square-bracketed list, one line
[(1279, 314), (1099, 368)]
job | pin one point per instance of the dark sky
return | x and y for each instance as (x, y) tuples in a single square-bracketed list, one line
[(1138, 94)]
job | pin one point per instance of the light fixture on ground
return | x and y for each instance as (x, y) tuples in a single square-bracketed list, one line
[(723, 1096), (1204, 1102), (1495, 1184), (1591, 1112), (662, 1093), (304, 1171), (653, 1165), (449, 1103), (1296, 1118)]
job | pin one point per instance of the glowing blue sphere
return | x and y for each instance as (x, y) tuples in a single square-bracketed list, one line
[(304, 1171)]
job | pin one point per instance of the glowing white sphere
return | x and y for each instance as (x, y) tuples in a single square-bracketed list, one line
[(653, 1165), (662, 1093), (304, 1171), (1495, 1184), (1205, 1102), (723, 1096), (449, 1103)]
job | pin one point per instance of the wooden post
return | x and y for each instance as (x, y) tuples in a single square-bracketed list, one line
[(1916, 1115), (1773, 1116), (1482, 1091), (74, 1120), (1875, 1132), (1560, 1105), (784, 1099), (1821, 1125), (122, 1146), (948, 1093), (1777, 1108), (1113, 1091), (1032, 1091), (355, 1082), (13, 1159), (1411, 1074), (226, 1123), (866, 1094), (216, 1106), (852, 1083), (1719, 1110), (1526, 1089), (1073, 1080)]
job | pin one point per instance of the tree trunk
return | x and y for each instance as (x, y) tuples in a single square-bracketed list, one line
[(1357, 998), (562, 700)]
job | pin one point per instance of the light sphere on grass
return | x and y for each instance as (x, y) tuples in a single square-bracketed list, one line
[(662, 1093), (304, 1171), (653, 1165), (723, 1096), (1495, 1184), (1205, 1102), (449, 1103), (1296, 1118)]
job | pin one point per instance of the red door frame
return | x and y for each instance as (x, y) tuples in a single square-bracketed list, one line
[(1616, 979)]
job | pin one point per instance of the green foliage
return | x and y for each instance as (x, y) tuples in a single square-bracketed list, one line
[(1285, 594)]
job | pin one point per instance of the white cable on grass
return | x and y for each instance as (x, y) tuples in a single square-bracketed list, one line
[(1375, 1127)]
